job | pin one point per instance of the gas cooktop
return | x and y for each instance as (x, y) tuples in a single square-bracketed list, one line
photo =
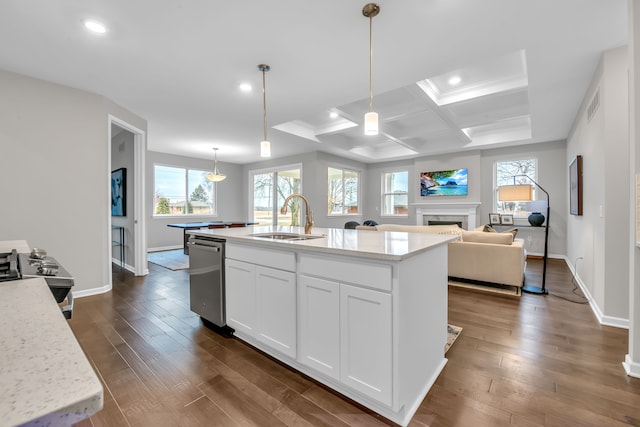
[(9, 269)]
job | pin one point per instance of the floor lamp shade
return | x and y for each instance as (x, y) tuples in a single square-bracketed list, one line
[(515, 193)]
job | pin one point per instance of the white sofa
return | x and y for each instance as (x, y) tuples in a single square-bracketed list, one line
[(477, 256)]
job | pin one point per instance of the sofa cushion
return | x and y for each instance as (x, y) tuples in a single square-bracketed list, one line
[(433, 229), (482, 237), (489, 229)]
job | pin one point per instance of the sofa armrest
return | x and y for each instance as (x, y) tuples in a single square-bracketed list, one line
[(488, 262)]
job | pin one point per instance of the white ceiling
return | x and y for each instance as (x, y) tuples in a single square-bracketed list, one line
[(524, 65)]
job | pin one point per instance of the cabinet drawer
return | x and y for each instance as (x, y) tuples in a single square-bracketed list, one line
[(281, 260), (371, 275)]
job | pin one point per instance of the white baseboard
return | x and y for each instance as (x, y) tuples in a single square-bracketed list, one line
[(632, 368), (616, 322), (164, 248), (92, 291)]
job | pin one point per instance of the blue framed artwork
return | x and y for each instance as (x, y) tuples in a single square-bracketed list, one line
[(119, 192), (444, 183)]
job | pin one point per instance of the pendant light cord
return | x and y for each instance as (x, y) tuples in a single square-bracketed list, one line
[(370, 63), (264, 101)]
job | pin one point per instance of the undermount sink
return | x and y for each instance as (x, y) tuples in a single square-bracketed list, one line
[(286, 236)]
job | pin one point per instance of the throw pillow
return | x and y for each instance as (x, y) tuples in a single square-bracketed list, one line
[(513, 231), (489, 229)]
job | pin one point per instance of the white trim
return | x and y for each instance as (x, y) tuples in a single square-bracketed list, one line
[(383, 193), (468, 209), (92, 291), (139, 219), (270, 170), (616, 322), (164, 248), (631, 368)]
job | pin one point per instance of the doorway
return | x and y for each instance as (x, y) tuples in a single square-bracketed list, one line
[(126, 227)]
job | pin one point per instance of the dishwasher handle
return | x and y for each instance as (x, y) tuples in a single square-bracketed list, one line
[(206, 247), (209, 243)]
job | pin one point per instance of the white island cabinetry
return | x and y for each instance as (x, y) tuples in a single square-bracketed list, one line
[(345, 322), (261, 301), (362, 312)]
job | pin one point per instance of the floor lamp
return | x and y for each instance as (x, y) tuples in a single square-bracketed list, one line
[(522, 193)]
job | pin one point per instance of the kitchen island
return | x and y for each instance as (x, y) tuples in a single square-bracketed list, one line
[(363, 312), (45, 378)]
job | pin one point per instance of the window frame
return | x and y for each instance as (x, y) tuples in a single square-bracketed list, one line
[(344, 169), (499, 206), (384, 193), (270, 170), (186, 170)]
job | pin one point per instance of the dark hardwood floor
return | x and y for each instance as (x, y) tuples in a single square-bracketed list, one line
[(528, 361)]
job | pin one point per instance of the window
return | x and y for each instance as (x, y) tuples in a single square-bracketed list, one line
[(180, 191), (270, 189), (504, 175), (343, 191), (395, 193)]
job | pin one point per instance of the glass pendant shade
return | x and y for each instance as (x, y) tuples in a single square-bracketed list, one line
[(216, 175), (265, 149), (371, 123)]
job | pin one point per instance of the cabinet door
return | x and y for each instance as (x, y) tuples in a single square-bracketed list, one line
[(276, 309), (365, 341), (319, 317), (241, 296)]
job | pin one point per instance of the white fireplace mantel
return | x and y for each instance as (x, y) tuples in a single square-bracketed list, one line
[(467, 209)]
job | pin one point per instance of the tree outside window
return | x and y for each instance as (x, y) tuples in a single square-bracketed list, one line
[(342, 191), (180, 191), (505, 171), (395, 193), (269, 198)]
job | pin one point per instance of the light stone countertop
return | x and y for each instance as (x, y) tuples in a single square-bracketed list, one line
[(379, 245), (45, 377)]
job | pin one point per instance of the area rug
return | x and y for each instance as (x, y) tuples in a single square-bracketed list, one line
[(173, 259), (493, 288), (453, 332)]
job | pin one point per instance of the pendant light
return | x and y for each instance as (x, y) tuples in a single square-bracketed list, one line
[(265, 145), (216, 176), (371, 118)]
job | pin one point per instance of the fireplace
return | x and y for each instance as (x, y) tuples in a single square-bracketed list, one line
[(463, 214)]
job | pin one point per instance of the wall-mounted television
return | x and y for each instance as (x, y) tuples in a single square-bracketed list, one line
[(444, 183)]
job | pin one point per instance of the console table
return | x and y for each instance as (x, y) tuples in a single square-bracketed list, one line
[(200, 225), (119, 243)]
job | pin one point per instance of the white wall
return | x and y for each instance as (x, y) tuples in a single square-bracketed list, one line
[(600, 235), (229, 199), (55, 173), (632, 359)]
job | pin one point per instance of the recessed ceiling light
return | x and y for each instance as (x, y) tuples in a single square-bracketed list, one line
[(95, 26), (455, 80), (245, 87), (333, 115)]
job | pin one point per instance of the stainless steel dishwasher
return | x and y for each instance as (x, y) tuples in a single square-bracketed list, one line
[(206, 278)]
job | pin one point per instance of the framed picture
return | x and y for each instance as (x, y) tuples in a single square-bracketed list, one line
[(506, 219), (119, 192), (575, 186), (494, 218)]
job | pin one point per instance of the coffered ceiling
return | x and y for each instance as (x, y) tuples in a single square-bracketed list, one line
[(523, 68)]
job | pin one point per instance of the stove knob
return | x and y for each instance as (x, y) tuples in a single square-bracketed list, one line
[(48, 271)]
